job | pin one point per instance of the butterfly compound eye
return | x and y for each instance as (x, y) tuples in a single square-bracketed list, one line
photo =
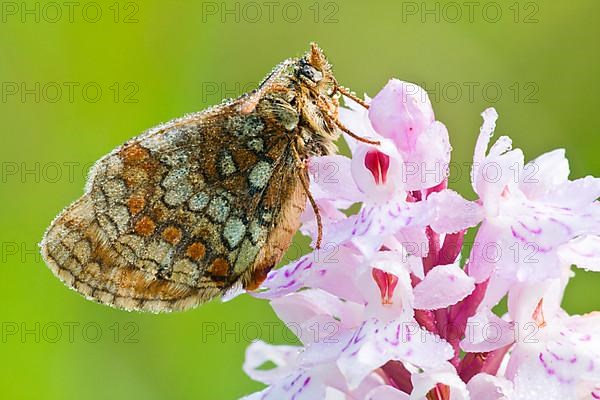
[(311, 73)]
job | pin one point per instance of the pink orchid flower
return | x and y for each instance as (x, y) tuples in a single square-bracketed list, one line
[(387, 309), (533, 221)]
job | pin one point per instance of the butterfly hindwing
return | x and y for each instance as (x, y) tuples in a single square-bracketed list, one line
[(184, 211)]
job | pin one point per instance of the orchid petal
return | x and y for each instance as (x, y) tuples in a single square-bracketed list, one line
[(443, 286), (533, 382), (326, 268), (401, 111), (489, 387), (490, 116), (445, 375), (453, 213), (301, 385), (427, 165), (544, 173), (332, 179), (259, 352), (587, 190), (583, 252), (414, 240), (373, 224), (386, 392), (377, 191), (495, 175), (356, 119), (486, 332), (375, 343)]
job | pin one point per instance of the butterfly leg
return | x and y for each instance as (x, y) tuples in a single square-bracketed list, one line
[(306, 186)]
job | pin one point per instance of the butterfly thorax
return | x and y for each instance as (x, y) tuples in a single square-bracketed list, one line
[(300, 96)]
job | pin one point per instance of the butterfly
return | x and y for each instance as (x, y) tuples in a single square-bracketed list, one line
[(205, 203)]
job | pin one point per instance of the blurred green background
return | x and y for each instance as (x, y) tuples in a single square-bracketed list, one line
[(537, 62)]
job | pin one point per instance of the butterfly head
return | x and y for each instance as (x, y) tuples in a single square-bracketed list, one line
[(314, 71), (307, 87)]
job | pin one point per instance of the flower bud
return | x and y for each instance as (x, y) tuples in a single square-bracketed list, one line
[(401, 111)]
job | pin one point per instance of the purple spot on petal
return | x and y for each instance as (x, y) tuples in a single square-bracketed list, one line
[(531, 230), (556, 356), (565, 226), (289, 284), (517, 235), (298, 265)]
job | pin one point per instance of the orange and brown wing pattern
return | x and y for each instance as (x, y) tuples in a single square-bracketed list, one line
[(183, 212)]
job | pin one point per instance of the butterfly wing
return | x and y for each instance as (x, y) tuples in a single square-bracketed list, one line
[(181, 213)]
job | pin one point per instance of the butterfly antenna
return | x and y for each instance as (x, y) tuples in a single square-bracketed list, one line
[(348, 93), (354, 135), (332, 119)]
